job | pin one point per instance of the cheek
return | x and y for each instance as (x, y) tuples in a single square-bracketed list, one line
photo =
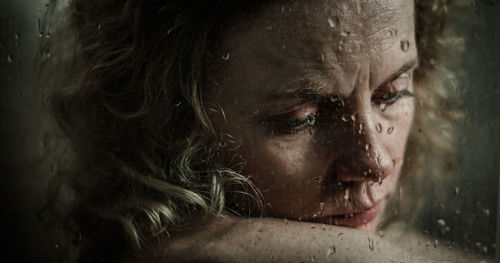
[(276, 163), (398, 129), (395, 144)]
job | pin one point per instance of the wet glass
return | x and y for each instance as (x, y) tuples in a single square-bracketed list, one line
[(457, 211)]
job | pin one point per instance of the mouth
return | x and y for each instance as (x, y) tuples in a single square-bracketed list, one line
[(355, 219)]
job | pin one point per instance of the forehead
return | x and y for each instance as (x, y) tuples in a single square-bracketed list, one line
[(308, 40), (311, 30)]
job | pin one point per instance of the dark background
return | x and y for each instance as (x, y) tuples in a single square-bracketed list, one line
[(24, 239)]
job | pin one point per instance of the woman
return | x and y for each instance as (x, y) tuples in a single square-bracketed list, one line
[(183, 116)]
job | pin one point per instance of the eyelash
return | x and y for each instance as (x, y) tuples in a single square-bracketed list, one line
[(295, 126), (391, 98)]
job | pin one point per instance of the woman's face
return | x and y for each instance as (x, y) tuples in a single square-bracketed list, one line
[(319, 93)]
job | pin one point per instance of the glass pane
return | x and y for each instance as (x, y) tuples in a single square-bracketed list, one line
[(310, 102)]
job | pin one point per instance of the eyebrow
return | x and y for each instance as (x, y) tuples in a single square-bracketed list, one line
[(304, 87), (308, 88), (412, 65)]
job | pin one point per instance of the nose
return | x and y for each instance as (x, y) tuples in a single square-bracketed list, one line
[(364, 155)]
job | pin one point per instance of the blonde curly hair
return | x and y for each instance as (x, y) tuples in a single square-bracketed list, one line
[(136, 154)]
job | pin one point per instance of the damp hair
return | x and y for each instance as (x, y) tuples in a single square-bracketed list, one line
[(135, 154)]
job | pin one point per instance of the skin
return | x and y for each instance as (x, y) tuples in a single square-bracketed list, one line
[(290, 63), (303, 91), (275, 240)]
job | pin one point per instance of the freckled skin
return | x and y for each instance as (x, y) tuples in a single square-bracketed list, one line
[(332, 167)]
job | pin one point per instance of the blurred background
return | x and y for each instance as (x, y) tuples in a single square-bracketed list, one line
[(467, 205)]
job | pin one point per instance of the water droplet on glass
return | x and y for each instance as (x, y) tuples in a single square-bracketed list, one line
[(382, 107), (345, 33), (17, 35), (486, 212), (360, 128), (56, 245), (390, 130), (225, 56), (223, 144), (367, 147), (331, 251), (322, 206), (10, 58), (347, 195), (436, 243), (178, 104), (45, 52), (269, 28), (485, 249), (345, 117), (393, 32), (340, 234), (332, 22), (433, 63), (378, 127), (380, 233), (353, 117), (311, 120), (405, 45), (457, 191), (39, 27), (370, 244), (441, 222), (391, 88)]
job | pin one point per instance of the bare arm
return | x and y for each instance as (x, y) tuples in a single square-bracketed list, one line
[(275, 240)]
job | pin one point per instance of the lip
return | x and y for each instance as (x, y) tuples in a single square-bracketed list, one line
[(353, 220)]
